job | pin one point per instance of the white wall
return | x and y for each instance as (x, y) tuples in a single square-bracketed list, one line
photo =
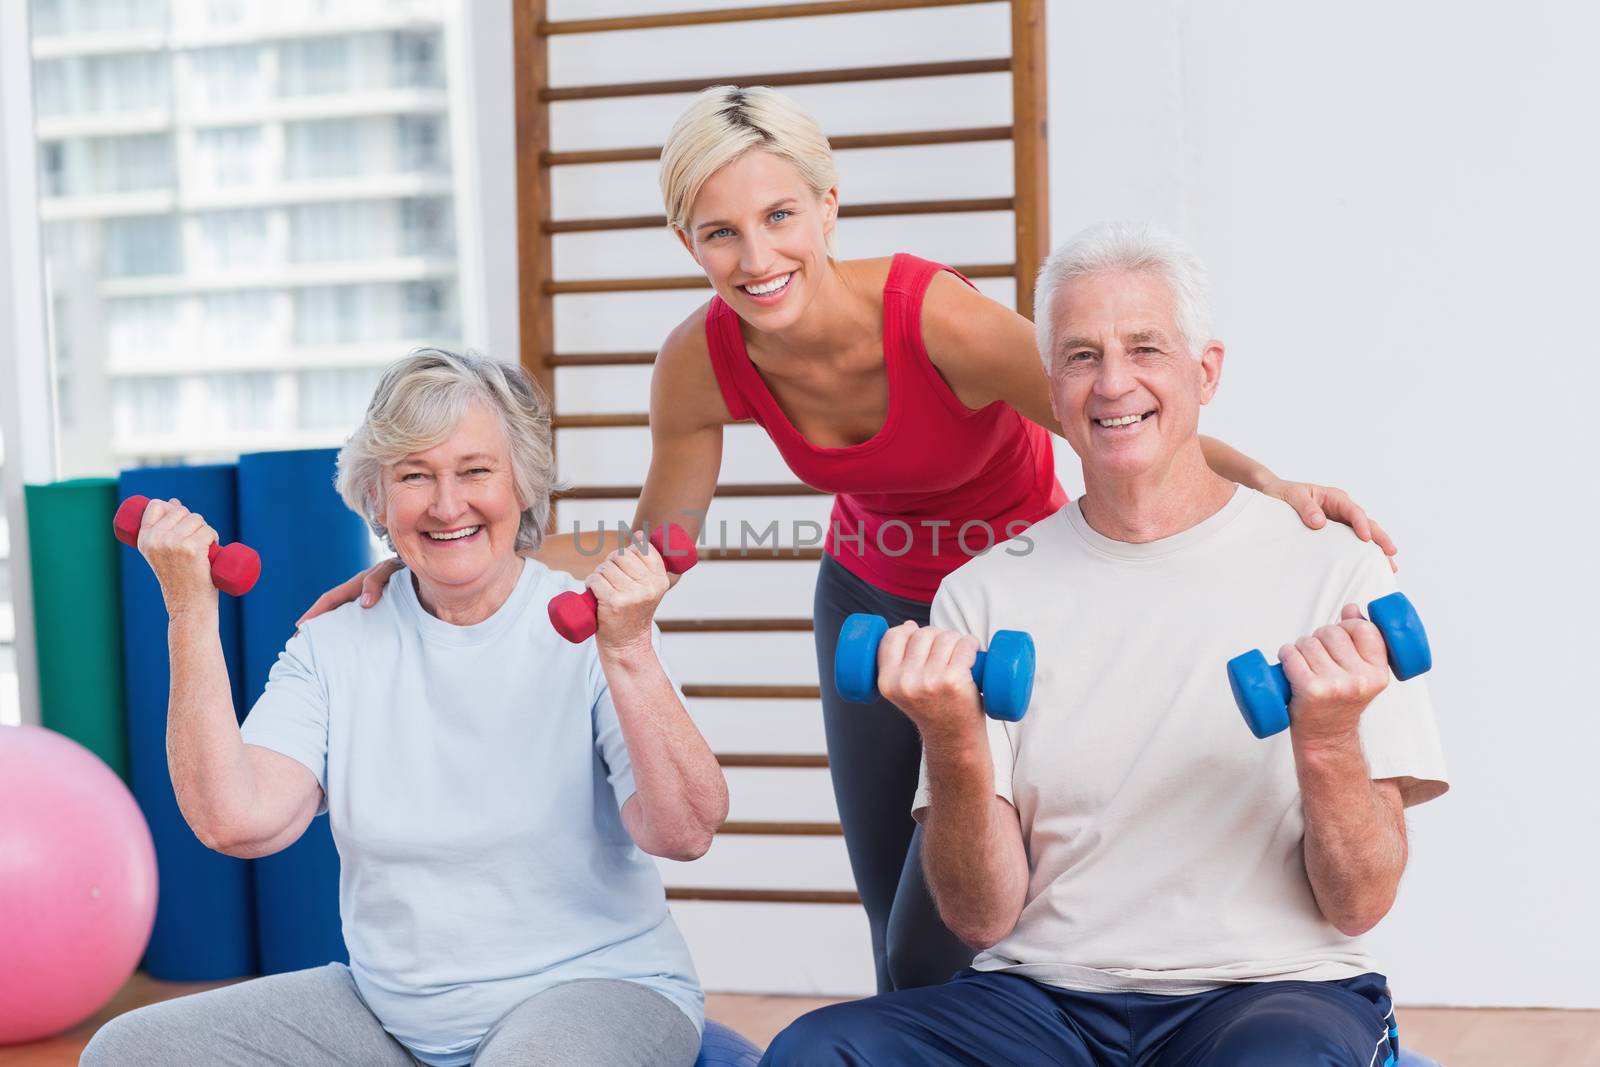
[(1397, 205)]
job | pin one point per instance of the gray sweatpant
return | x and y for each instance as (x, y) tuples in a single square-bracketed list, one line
[(317, 1017)]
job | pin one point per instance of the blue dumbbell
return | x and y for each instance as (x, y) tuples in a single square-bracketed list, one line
[(1004, 673), (1262, 692)]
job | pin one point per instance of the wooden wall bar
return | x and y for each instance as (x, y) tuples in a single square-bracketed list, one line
[(537, 221)]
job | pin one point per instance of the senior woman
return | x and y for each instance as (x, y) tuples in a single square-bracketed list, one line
[(492, 788)]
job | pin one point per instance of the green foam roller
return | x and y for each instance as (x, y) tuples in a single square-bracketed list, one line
[(77, 616)]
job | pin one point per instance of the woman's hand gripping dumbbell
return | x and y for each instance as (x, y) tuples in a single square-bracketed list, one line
[(1344, 666), (576, 616), (234, 568), (1003, 674)]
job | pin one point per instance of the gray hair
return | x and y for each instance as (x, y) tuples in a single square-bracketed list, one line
[(420, 401), (1126, 246)]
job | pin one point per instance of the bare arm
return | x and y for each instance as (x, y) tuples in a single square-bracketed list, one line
[(1355, 836), (239, 799), (681, 797), (973, 853), (1355, 831), (687, 414), (972, 849)]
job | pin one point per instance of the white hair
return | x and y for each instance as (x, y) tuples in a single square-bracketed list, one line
[(1126, 246), (420, 401), (722, 124)]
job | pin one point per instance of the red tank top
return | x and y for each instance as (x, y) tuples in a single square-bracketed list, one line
[(936, 485)]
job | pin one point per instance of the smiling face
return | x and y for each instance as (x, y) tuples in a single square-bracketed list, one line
[(1123, 383), (452, 510), (761, 235)]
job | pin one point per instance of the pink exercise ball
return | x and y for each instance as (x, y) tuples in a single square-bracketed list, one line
[(77, 883)]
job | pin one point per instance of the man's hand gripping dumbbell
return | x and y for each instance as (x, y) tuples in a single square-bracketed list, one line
[(1337, 671), (927, 664)]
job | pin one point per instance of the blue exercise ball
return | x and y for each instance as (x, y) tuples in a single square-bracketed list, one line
[(724, 1048)]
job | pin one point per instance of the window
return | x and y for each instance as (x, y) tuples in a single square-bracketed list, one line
[(229, 240), (416, 60), (53, 17), (142, 246), (141, 329), (108, 84), (428, 311), (334, 400), (236, 322), (241, 401), (225, 12), (419, 139), (328, 148), (52, 169), (425, 227), (231, 282), (134, 164), (344, 230), (229, 156), (144, 406), (227, 77), (318, 65), (331, 315)]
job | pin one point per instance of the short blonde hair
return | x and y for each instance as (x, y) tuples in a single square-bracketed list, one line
[(724, 123), (420, 401)]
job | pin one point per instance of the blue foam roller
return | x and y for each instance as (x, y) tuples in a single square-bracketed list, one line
[(204, 929), (722, 1047), (309, 542)]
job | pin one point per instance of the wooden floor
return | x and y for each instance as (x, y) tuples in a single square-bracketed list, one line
[(1457, 1037)]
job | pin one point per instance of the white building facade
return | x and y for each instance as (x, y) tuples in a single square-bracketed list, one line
[(247, 210)]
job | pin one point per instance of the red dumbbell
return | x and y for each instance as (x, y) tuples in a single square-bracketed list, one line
[(234, 568), (576, 615)]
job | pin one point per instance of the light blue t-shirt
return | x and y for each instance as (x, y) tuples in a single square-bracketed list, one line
[(474, 778)]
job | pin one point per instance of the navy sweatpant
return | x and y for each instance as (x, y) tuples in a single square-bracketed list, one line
[(873, 755), (986, 1019)]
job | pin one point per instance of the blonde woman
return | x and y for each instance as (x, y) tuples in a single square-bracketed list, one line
[(889, 382)]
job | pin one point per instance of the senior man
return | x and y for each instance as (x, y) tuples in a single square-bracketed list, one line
[(1148, 883)]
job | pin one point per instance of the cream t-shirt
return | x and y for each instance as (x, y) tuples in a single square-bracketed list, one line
[(1164, 841)]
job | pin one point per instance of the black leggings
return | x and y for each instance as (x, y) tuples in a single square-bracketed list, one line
[(873, 755)]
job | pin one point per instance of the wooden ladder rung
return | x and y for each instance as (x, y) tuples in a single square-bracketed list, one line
[(766, 896), (733, 489), (739, 626), (783, 829), (600, 359), (769, 555), (848, 211), (948, 68), (550, 28), (772, 760), (600, 422), (842, 143), (753, 692), (698, 281)]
